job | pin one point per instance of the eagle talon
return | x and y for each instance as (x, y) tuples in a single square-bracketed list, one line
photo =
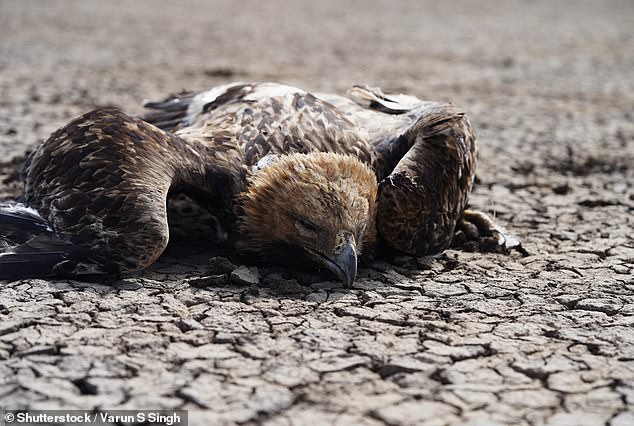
[(476, 231)]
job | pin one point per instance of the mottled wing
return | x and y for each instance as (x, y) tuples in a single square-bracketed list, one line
[(425, 194), (423, 152), (101, 184), (425, 159), (382, 120), (246, 122)]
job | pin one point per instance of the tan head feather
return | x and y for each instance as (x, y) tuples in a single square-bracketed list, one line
[(305, 200)]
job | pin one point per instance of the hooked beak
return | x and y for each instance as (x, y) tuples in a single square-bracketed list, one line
[(344, 260)]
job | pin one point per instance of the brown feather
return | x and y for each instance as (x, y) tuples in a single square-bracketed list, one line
[(334, 192), (101, 181)]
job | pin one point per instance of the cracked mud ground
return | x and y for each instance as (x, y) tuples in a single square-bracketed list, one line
[(467, 339)]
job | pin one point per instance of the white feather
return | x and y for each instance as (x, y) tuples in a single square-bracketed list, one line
[(271, 90), (197, 104)]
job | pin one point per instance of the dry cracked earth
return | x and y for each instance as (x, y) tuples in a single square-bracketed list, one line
[(481, 339)]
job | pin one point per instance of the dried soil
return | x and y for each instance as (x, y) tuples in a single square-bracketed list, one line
[(469, 339)]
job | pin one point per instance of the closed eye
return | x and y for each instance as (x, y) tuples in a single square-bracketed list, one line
[(305, 223)]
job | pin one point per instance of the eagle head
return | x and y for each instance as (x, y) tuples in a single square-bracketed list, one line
[(317, 207)]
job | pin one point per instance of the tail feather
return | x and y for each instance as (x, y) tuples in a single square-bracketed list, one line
[(169, 113), (15, 266), (177, 111), (28, 246), (17, 219)]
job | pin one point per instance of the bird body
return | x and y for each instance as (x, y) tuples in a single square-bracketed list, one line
[(284, 171)]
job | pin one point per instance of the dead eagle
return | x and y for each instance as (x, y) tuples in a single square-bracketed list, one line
[(288, 174)]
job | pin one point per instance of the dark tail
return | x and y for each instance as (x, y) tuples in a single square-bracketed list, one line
[(169, 113), (28, 246)]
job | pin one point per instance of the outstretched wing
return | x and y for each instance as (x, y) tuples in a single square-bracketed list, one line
[(98, 187)]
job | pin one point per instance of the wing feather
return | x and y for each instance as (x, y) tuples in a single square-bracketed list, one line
[(97, 191), (249, 121)]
